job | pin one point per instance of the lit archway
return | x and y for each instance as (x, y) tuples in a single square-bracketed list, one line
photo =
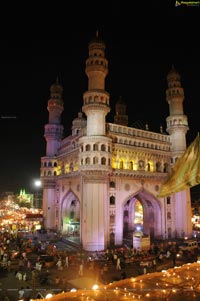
[(142, 212), (70, 215)]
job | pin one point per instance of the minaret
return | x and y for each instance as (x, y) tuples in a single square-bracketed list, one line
[(53, 135), (120, 113), (54, 129), (95, 151), (96, 99), (78, 125), (177, 124), (177, 127)]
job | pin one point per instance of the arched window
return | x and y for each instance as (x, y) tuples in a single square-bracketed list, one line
[(87, 148), (112, 200), (131, 165), (95, 160), (103, 161), (103, 147), (168, 215), (73, 203), (112, 184), (168, 200), (165, 167), (112, 238), (87, 161), (95, 147), (158, 166)]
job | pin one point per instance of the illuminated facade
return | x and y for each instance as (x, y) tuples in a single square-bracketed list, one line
[(102, 181)]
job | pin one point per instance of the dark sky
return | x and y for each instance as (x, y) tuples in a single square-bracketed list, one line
[(142, 42)]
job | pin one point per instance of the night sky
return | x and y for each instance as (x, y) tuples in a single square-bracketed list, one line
[(142, 42)]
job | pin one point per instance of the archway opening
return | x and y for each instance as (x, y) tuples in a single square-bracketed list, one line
[(71, 216), (141, 213)]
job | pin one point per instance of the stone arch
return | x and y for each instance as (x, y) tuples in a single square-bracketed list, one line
[(70, 214), (151, 210)]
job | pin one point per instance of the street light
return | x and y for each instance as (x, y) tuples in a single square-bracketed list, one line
[(38, 183)]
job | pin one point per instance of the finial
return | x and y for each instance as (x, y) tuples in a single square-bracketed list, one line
[(97, 33), (57, 81), (161, 129)]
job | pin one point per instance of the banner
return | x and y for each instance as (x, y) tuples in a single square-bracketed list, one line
[(186, 171)]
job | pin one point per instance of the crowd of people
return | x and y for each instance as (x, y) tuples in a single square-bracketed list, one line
[(24, 257)]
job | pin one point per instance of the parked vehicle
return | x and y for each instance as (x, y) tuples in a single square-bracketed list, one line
[(188, 245)]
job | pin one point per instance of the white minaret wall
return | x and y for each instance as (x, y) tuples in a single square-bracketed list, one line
[(177, 124), (49, 208), (183, 213), (177, 127), (95, 123), (95, 106), (96, 81), (93, 214), (51, 148), (178, 142)]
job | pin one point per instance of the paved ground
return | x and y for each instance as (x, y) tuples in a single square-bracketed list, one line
[(69, 278)]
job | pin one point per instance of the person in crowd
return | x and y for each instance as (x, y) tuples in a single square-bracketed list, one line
[(59, 264), (80, 272), (118, 265), (21, 293), (27, 294)]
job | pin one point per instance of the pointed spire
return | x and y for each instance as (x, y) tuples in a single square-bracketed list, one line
[(56, 87), (97, 38), (173, 73)]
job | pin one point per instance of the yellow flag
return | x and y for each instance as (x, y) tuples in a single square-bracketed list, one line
[(186, 171)]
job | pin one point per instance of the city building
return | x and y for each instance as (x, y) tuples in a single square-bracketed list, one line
[(102, 182)]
